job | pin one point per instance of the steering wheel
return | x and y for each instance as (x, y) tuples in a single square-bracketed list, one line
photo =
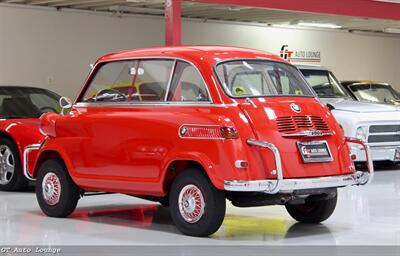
[(46, 109), (111, 91)]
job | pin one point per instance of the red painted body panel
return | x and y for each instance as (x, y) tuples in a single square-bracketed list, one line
[(24, 132), (129, 148)]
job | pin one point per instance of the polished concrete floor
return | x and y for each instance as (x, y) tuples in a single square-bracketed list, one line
[(364, 216)]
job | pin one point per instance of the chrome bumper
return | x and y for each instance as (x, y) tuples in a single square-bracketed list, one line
[(281, 185), (25, 168)]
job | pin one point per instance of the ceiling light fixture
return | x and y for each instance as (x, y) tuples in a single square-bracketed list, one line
[(131, 9), (388, 1), (318, 25), (392, 30)]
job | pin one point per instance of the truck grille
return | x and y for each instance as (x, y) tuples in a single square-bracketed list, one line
[(384, 128), (296, 123), (384, 133)]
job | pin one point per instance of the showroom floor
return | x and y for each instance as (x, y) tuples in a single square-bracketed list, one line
[(364, 216)]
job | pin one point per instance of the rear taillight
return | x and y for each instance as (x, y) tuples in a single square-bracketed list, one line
[(208, 132), (228, 132)]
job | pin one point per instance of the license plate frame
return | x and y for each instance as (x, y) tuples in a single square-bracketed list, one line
[(319, 151)]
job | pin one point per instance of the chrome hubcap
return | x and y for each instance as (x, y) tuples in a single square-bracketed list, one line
[(191, 203), (6, 165), (51, 188)]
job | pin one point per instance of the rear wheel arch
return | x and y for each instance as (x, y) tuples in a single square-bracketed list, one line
[(176, 167), (5, 135)]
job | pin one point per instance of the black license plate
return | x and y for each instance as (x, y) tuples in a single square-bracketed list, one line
[(314, 151)]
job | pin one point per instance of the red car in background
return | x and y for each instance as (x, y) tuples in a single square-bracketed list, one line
[(20, 109), (191, 127)]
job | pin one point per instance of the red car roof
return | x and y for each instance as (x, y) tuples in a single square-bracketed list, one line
[(211, 54)]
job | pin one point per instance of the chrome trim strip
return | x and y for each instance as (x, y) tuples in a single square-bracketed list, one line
[(272, 186), (27, 150), (153, 104), (171, 75), (308, 133)]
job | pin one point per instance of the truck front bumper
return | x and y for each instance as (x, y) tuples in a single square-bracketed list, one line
[(281, 185), (378, 153)]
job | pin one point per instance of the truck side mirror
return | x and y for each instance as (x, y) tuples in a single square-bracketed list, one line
[(65, 104)]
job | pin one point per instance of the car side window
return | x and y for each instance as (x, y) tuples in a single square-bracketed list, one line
[(111, 83), (133, 81), (187, 84), (151, 78)]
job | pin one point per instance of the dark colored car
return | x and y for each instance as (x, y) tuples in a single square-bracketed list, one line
[(372, 92), (20, 109)]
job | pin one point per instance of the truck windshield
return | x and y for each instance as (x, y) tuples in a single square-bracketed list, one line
[(258, 78), (377, 93), (324, 84)]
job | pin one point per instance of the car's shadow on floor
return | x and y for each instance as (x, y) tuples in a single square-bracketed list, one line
[(144, 216), (235, 227)]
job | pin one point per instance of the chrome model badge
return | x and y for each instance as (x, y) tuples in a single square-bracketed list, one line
[(295, 107)]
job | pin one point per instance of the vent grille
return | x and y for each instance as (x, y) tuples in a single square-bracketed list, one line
[(297, 123)]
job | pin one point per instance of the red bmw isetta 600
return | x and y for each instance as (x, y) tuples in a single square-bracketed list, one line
[(191, 127)]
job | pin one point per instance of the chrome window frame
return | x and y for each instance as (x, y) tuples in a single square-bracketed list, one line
[(80, 103)]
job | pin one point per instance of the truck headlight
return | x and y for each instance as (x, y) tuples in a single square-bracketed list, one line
[(361, 133)]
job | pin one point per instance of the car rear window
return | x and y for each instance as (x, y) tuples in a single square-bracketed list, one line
[(259, 78)]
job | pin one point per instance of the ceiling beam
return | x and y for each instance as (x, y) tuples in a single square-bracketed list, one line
[(354, 8)]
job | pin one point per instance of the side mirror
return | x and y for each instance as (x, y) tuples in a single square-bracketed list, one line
[(65, 104)]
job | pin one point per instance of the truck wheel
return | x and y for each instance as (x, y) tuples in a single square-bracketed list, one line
[(11, 176), (197, 207), (56, 192), (314, 211)]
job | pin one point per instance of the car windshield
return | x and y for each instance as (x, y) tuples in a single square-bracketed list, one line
[(258, 78), (325, 84), (24, 102), (378, 93)]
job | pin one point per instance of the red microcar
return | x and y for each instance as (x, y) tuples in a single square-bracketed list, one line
[(191, 127)]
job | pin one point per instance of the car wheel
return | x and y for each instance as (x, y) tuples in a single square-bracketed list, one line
[(197, 207), (11, 176), (56, 192), (313, 211)]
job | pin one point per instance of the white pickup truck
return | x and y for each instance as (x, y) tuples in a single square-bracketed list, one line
[(377, 125)]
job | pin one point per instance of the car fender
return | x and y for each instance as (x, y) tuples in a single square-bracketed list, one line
[(201, 158)]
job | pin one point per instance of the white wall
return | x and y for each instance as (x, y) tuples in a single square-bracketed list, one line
[(53, 49)]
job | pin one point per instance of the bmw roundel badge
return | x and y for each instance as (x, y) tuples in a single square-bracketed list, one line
[(295, 107)]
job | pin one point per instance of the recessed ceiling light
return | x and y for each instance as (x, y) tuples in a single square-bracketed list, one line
[(388, 1), (392, 30), (318, 25)]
